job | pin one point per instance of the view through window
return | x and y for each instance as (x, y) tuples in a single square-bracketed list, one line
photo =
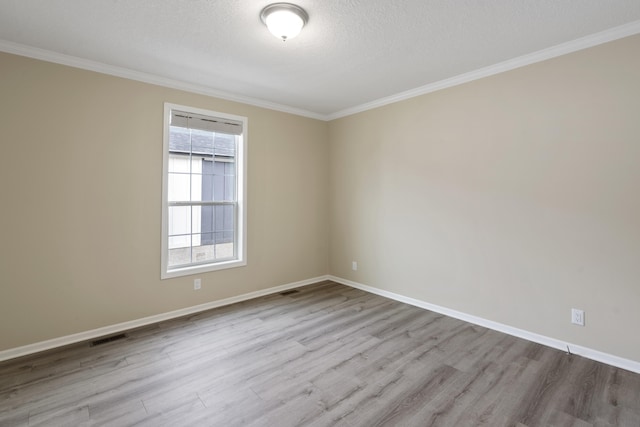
[(203, 218)]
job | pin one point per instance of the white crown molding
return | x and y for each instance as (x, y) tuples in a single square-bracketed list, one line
[(125, 326), (589, 353), (609, 35), (99, 67)]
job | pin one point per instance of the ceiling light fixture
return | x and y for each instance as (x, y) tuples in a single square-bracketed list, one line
[(284, 20)]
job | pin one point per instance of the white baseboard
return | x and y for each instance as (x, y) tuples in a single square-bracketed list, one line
[(124, 326), (589, 353)]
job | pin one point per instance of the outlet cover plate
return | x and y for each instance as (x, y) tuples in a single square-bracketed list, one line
[(577, 316)]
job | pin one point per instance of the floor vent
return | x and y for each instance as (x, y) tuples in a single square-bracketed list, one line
[(107, 340), (292, 291)]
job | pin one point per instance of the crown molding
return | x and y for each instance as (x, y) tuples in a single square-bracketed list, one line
[(592, 40), (99, 67)]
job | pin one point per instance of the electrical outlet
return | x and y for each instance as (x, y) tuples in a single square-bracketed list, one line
[(197, 284), (577, 316), (354, 265)]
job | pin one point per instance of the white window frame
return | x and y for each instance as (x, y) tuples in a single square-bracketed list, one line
[(241, 197)]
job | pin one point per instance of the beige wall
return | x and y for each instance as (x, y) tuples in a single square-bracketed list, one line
[(80, 179), (513, 198)]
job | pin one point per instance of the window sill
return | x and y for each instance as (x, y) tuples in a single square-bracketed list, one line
[(198, 269)]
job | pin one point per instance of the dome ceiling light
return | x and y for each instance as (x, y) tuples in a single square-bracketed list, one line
[(284, 20)]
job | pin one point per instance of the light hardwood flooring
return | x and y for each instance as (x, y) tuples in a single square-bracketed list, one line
[(327, 355)]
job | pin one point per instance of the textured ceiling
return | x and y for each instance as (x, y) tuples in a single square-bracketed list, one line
[(352, 52)]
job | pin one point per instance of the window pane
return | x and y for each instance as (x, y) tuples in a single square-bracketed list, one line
[(196, 164), (196, 187), (202, 142), (203, 252), (218, 181), (229, 220), (179, 250), (230, 180), (207, 180), (179, 139), (218, 219), (225, 251), (196, 224), (230, 168), (179, 220), (179, 163), (207, 224), (225, 145), (230, 187), (218, 188), (178, 187)]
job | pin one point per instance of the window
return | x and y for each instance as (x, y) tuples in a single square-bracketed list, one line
[(203, 191)]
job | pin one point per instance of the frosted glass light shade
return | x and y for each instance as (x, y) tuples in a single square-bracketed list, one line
[(284, 20)]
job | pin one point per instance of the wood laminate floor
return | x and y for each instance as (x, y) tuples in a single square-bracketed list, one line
[(327, 355)]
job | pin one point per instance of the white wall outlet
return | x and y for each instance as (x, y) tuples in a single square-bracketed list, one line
[(577, 316), (354, 265), (197, 284)]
